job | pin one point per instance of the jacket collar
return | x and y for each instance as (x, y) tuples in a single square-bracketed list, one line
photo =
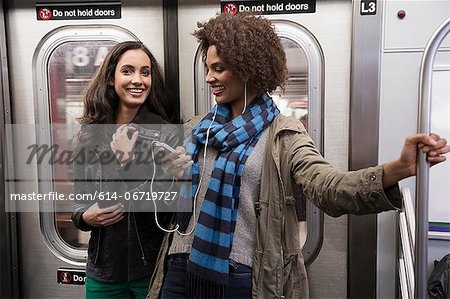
[(286, 123), (146, 116)]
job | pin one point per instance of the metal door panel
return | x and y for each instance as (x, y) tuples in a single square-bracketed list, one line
[(144, 18), (189, 13), (328, 273)]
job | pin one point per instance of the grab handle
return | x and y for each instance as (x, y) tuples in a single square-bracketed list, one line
[(423, 167)]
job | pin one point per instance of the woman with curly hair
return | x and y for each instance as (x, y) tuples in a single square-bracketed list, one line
[(242, 238)]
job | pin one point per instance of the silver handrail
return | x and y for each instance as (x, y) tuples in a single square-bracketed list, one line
[(406, 256), (423, 167)]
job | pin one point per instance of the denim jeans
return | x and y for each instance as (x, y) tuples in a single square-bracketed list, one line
[(239, 280)]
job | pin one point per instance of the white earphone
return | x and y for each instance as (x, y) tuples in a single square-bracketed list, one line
[(198, 188), (245, 97)]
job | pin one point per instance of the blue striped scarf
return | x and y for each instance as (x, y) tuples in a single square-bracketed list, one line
[(235, 140)]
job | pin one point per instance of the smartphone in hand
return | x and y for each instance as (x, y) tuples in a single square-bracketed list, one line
[(163, 152), (165, 147)]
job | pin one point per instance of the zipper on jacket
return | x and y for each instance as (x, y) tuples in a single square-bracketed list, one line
[(283, 197), (139, 241), (101, 189), (98, 245)]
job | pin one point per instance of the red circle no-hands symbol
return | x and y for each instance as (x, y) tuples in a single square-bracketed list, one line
[(65, 277), (230, 8), (45, 13)]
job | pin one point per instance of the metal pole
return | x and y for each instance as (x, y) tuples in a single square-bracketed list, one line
[(423, 167)]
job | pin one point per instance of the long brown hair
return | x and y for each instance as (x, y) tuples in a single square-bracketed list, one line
[(101, 101), (100, 98)]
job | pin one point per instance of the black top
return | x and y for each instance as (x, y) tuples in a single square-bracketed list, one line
[(126, 250)]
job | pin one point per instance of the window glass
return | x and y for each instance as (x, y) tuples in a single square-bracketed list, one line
[(70, 67), (294, 99)]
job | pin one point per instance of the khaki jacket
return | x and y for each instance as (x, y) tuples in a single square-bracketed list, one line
[(278, 269)]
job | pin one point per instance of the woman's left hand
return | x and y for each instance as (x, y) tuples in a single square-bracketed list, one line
[(122, 145), (432, 145), (177, 162)]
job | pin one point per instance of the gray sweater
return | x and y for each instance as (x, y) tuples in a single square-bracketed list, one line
[(244, 235)]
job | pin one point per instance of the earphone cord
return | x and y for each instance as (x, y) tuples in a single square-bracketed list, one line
[(245, 97), (201, 176), (151, 192), (196, 192)]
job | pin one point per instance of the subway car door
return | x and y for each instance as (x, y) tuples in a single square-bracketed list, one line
[(54, 48), (319, 67)]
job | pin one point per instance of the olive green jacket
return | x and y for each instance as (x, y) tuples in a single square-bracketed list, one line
[(278, 269)]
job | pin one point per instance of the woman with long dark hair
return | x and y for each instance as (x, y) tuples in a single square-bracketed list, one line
[(127, 92)]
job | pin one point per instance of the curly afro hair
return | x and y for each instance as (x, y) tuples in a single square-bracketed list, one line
[(250, 47)]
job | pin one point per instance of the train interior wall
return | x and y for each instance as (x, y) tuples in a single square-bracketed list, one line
[(398, 82), (401, 57)]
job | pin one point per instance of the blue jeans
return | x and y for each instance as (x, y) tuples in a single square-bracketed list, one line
[(239, 280)]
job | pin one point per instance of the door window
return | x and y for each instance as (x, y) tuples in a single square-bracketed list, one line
[(64, 62), (70, 67)]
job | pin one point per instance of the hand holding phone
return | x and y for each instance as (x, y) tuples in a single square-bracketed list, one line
[(173, 161), (163, 152), (167, 148)]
